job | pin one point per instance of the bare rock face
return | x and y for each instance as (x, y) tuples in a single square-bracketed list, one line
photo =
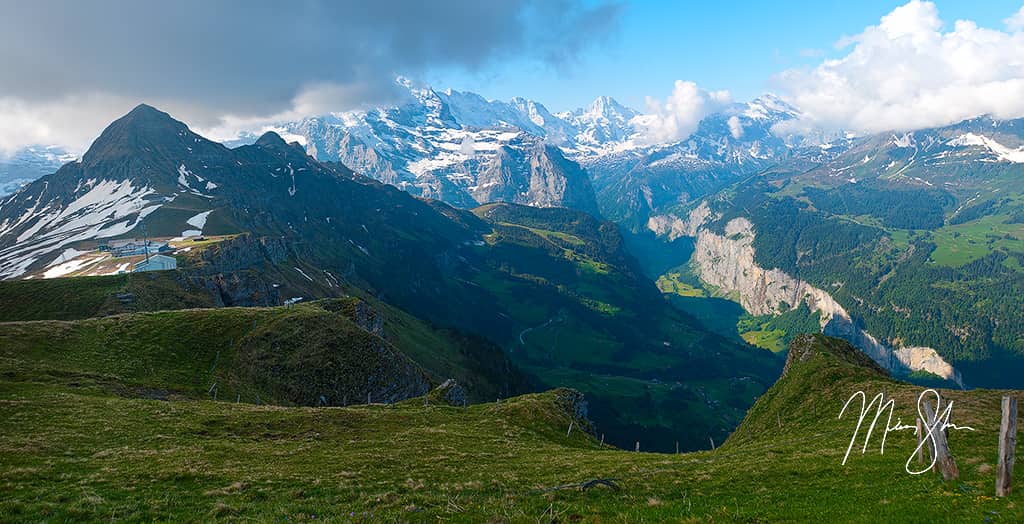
[(674, 227), (727, 262), (927, 359), (536, 174)]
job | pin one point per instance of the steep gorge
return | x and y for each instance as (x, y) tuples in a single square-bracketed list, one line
[(727, 263)]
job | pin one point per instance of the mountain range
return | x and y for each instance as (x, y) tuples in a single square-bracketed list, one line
[(915, 182), (463, 149), (554, 288), (886, 231), (317, 312)]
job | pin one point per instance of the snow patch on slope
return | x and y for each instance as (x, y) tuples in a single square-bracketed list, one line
[(199, 221), (1003, 152), (109, 209)]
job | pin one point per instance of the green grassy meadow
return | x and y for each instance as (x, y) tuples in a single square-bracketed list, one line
[(956, 245), (74, 451)]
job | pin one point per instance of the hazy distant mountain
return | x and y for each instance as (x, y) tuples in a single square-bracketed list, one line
[(632, 182), (29, 164), (951, 158), (465, 150)]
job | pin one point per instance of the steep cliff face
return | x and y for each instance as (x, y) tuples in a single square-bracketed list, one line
[(727, 262), (673, 227), (535, 174)]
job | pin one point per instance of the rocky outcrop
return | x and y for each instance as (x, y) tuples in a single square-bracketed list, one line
[(244, 252), (673, 227), (226, 271), (243, 289), (574, 405), (358, 311), (926, 359), (804, 347), (727, 262), (449, 393)]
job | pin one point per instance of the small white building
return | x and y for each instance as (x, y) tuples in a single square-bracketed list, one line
[(156, 263)]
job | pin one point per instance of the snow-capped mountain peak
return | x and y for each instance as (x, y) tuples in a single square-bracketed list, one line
[(608, 107), (769, 107), (603, 122)]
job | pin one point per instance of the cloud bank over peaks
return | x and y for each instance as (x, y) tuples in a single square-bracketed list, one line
[(908, 72), (677, 117)]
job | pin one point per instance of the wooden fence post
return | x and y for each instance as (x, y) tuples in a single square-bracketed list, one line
[(638, 446), (1007, 447), (712, 443), (944, 460), (920, 436)]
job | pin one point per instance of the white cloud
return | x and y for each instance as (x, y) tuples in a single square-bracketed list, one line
[(677, 117), (908, 73), (317, 99), (234, 64), (71, 121), (1016, 21), (735, 127)]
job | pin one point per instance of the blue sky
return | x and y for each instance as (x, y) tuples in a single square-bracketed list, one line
[(732, 45)]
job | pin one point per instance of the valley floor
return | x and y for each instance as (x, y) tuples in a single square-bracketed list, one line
[(74, 448)]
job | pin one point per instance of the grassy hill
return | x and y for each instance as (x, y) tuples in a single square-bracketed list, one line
[(331, 352), (76, 452), (85, 297), (553, 288)]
